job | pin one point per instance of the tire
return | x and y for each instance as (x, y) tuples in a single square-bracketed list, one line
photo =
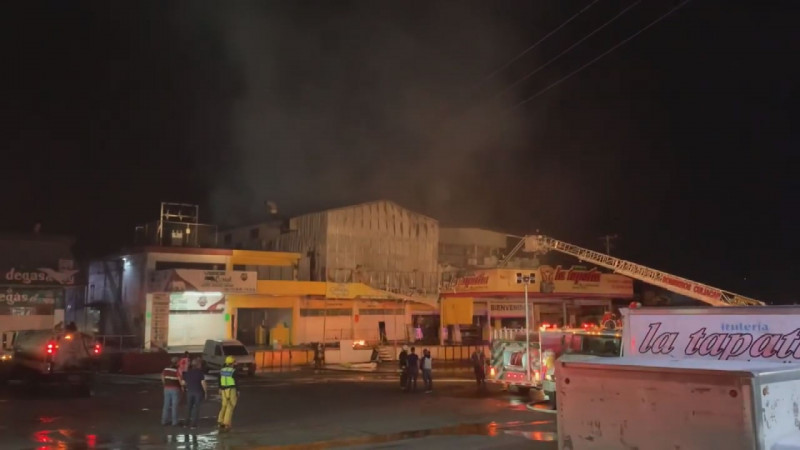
[(523, 390), (552, 400)]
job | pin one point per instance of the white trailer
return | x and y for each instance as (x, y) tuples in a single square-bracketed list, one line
[(647, 403)]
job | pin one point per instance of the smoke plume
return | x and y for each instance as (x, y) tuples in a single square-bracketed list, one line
[(349, 102)]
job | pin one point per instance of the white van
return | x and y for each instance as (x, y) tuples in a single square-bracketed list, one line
[(216, 350)]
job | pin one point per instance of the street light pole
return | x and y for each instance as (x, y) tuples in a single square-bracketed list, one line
[(527, 333)]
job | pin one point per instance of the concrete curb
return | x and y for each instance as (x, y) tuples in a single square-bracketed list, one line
[(545, 409)]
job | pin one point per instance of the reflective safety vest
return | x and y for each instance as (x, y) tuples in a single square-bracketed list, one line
[(226, 380)]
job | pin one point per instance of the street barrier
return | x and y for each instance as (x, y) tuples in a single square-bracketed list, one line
[(289, 358)]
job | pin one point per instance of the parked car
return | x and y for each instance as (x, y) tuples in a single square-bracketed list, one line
[(215, 351)]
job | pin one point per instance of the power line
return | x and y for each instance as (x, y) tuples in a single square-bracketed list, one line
[(619, 44), (536, 44), (596, 30)]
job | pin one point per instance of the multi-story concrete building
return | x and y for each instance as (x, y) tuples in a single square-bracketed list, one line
[(378, 243)]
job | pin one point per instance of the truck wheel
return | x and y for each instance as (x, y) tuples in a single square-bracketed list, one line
[(83, 390)]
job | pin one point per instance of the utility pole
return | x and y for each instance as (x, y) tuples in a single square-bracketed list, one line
[(607, 240), (525, 280)]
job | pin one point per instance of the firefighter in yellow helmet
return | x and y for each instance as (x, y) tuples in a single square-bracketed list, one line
[(228, 393)]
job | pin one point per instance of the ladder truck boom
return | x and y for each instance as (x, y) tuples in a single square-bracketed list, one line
[(673, 283)]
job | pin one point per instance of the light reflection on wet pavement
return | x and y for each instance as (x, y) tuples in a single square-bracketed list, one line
[(352, 411), (71, 440)]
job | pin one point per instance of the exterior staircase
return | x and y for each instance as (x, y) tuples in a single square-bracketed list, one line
[(386, 353)]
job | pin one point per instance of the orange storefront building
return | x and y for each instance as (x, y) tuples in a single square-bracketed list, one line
[(557, 296)]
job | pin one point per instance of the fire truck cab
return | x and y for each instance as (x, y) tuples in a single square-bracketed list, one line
[(603, 341)]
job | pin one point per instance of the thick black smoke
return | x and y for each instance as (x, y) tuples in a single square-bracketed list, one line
[(349, 102)]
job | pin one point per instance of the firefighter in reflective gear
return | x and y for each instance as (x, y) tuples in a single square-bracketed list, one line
[(228, 393)]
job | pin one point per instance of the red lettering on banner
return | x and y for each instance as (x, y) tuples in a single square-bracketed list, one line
[(707, 291), (577, 275), (474, 280), (685, 285)]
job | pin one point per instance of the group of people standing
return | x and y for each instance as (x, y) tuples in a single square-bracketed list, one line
[(411, 365), (185, 382)]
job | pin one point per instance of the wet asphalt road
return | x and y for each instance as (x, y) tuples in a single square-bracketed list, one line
[(285, 410)]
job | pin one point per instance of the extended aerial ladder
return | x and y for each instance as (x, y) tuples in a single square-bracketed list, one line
[(673, 283)]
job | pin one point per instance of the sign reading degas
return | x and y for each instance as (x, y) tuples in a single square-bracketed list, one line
[(40, 276)]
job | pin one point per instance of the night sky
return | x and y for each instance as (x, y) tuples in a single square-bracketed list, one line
[(679, 141)]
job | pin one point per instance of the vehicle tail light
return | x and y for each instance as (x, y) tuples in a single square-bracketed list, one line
[(97, 349), (51, 348)]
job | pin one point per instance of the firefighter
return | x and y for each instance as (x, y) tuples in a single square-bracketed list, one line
[(228, 393)]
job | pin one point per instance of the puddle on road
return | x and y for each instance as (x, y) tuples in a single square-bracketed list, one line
[(491, 430), (72, 440)]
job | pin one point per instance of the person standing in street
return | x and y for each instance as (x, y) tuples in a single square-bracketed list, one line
[(183, 366), (427, 368), (228, 393), (194, 381), (172, 393), (403, 359), (479, 366), (412, 369)]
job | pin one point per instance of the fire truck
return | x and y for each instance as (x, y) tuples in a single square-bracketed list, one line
[(508, 364)]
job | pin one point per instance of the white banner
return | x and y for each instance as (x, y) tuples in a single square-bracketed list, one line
[(725, 334), (196, 301), (180, 280)]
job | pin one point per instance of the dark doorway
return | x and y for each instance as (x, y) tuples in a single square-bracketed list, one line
[(382, 331)]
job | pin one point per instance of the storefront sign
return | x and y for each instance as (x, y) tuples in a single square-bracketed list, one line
[(546, 280), (185, 280), (768, 335), (501, 308), (42, 276), (23, 301), (30, 296), (196, 301)]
